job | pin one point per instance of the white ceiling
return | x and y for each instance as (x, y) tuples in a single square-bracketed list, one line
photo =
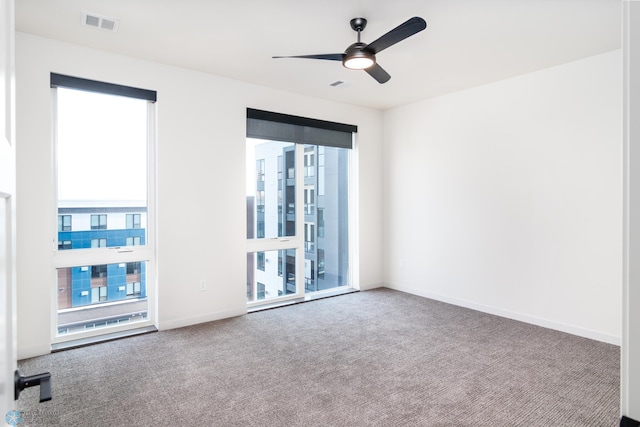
[(466, 43)]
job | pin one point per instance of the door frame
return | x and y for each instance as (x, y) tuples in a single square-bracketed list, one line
[(8, 337)]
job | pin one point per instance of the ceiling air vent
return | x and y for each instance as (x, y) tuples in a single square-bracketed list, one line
[(101, 22)]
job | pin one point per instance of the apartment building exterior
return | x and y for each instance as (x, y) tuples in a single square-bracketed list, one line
[(272, 213), (100, 225)]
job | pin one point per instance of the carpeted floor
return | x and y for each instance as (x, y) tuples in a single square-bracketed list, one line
[(374, 358)]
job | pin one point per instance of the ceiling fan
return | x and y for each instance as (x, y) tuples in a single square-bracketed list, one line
[(362, 56)]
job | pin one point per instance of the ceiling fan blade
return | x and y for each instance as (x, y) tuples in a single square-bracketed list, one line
[(378, 73), (327, 56), (401, 32)]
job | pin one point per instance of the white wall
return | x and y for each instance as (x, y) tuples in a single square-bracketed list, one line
[(201, 181), (508, 197)]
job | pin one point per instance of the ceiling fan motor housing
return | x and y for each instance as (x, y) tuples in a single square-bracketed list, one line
[(358, 57)]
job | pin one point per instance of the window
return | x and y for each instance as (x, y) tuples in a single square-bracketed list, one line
[(64, 222), (260, 201), (304, 197), (104, 146), (309, 155), (98, 271), (64, 245), (133, 289), (98, 243), (133, 221), (98, 222), (132, 241), (261, 290), (309, 276), (320, 263), (309, 200), (98, 294), (320, 222), (134, 267), (309, 237), (260, 170)]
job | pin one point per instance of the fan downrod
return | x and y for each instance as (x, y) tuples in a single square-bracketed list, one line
[(358, 24)]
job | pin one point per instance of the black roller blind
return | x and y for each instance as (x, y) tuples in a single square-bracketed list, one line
[(301, 130), (60, 80)]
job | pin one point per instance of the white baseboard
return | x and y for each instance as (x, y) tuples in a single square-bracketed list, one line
[(538, 321), (33, 351), (210, 317), (369, 286)]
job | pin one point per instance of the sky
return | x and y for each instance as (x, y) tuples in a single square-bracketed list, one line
[(101, 146)]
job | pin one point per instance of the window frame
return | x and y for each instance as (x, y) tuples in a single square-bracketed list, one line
[(61, 223), (101, 243), (110, 255), (298, 241), (101, 225), (131, 219)]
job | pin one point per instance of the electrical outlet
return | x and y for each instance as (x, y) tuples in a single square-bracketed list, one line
[(203, 285)]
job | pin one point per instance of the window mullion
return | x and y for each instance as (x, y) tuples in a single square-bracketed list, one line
[(299, 153)]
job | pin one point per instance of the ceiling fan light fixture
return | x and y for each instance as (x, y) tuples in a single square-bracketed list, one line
[(357, 58), (358, 63)]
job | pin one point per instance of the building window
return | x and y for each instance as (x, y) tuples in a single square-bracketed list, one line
[(260, 201), (260, 229), (98, 294), (261, 261), (64, 222), (309, 237), (309, 276), (133, 220), (98, 243), (64, 244), (98, 271), (320, 263), (132, 241), (134, 289), (134, 267), (320, 222), (99, 222), (261, 290), (309, 201), (309, 164), (260, 170)]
